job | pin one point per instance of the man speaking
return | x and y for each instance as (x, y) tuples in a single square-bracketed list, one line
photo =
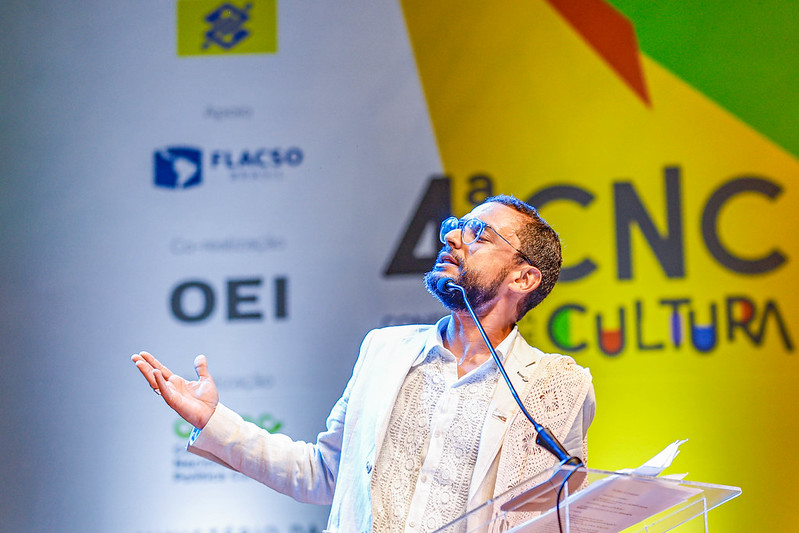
[(427, 428)]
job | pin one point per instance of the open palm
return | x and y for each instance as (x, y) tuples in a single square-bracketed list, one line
[(195, 401)]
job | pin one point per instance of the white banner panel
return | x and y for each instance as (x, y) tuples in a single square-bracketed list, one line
[(245, 206)]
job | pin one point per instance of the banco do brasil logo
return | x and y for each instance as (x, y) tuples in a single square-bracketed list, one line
[(227, 26), (211, 27)]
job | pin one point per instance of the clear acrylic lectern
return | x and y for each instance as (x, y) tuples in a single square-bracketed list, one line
[(594, 501)]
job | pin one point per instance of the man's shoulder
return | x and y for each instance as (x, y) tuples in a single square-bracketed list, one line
[(394, 341), (405, 331), (530, 354)]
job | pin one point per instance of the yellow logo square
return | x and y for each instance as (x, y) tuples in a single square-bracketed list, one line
[(214, 27)]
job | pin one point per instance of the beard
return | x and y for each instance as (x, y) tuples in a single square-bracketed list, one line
[(479, 292)]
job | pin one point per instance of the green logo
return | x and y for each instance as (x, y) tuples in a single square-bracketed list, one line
[(265, 420)]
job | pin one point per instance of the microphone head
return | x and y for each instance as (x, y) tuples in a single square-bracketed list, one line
[(446, 285)]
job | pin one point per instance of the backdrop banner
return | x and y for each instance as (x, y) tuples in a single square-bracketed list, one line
[(262, 182)]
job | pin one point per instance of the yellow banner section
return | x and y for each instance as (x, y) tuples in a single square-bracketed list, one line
[(680, 236)]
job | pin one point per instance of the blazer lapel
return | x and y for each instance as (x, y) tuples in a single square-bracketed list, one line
[(503, 408), (393, 370)]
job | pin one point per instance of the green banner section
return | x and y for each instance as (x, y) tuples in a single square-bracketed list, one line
[(742, 54)]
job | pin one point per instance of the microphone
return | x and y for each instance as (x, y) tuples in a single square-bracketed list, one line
[(545, 438), (446, 285)]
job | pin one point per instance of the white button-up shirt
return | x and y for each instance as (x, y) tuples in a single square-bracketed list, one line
[(424, 468)]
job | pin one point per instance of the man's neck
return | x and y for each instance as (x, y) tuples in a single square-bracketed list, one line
[(463, 339)]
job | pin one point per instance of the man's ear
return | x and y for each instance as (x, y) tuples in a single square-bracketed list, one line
[(527, 280)]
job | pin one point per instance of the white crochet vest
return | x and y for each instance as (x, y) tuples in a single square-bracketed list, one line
[(558, 387)]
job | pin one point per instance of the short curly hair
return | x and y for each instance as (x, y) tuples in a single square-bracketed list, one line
[(540, 243)]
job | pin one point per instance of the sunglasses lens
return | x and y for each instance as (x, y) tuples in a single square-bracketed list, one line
[(472, 228), (448, 225)]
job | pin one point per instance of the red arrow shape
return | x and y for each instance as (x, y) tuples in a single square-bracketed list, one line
[(611, 34)]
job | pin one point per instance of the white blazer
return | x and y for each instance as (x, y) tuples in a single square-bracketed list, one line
[(337, 468)]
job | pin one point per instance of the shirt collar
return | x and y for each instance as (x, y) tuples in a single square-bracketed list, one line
[(435, 339)]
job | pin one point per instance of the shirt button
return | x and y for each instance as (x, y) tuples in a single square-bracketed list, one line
[(411, 524), (424, 478)]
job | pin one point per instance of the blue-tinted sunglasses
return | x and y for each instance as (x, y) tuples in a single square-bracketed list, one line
[(471, 229)]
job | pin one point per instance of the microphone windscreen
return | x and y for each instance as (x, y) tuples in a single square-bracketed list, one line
[(445, 285)]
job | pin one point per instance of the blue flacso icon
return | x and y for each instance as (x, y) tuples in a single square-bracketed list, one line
[(178, 167)]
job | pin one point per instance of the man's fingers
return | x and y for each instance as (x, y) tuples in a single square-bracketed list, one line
[(155, 363), (145, 369), (201, 367), (161, 387)]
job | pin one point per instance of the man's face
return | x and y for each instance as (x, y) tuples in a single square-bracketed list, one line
[(481, 267)]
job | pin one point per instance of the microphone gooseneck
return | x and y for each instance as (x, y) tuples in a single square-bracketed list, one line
[(546, 439)]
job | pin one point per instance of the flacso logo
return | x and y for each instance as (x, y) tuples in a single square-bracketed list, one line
[(182, 167), (178, 167)]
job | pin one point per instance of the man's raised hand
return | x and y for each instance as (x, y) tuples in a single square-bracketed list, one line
[(195, 401)]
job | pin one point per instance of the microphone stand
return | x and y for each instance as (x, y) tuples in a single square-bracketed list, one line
[(545, 438)]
